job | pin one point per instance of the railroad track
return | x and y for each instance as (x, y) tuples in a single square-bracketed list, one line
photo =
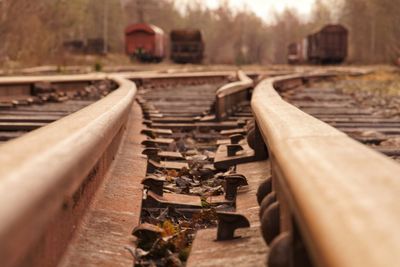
[(324, 186), (177, 178), (374, 123), (44, 103)]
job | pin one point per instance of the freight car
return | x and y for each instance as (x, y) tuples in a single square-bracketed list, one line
[(74, 46), (187, 46), (95, 46), (327, 46), (145, 42)]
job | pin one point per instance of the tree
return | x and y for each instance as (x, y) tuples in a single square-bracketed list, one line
[(373, 28), (33, 32)]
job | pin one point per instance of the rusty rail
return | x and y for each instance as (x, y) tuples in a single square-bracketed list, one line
[(335, 197), (23, 85), (101, 76), (229, 95), (42, 172), (27, 80)]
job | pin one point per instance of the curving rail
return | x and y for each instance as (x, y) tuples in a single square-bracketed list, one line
[(229, 95), (41, 171), (342, 196)]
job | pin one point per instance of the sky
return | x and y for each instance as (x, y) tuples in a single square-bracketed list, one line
[(263, 8)]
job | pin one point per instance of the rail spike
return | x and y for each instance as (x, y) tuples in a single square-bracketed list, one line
[(232, 182), (228, 222), (152, 153), (154, 184)]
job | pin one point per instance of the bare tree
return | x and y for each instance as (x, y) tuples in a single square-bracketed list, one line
[(32, 32)]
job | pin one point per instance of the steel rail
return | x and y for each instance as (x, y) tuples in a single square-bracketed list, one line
[(6, 80), (343, 196), (17, 85), (229, 95), (9, 80), (44, 168)]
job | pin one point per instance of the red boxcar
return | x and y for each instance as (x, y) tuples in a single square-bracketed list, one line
[(145, 42)]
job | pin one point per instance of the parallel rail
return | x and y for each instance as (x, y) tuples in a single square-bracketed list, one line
[(229, 95), (47, 177), (41, 171), (101, 76), (337, 195), (24, 84)]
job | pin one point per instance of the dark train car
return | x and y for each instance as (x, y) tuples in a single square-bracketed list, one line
[(95, 46), (90, 46), (74, 46), (187, 46), (145, 42), (329, 45)]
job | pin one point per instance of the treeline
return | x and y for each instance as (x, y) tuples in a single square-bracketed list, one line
[(33, 32), (374, 29)]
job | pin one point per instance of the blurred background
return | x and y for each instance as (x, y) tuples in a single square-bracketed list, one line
[(234, 31)]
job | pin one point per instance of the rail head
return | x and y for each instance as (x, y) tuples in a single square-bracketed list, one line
[(44, 167), (343, 195), (52, 78), (230, 94), (243, 83)]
